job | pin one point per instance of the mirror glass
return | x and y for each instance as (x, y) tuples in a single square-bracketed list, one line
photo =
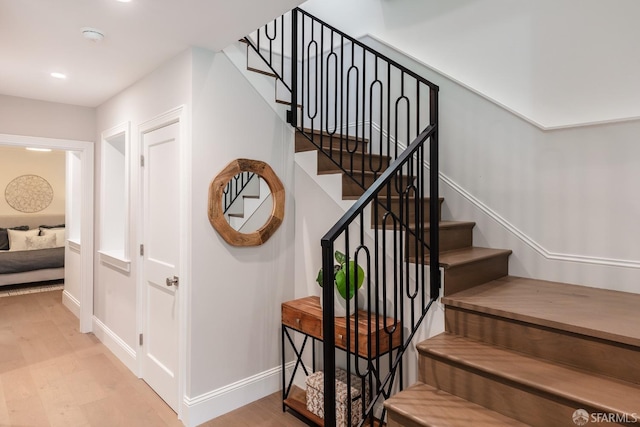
[(247, 202)]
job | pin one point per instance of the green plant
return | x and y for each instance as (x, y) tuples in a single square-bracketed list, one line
[(340, 276)]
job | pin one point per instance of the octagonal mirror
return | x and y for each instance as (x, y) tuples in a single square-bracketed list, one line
[(246, 202)]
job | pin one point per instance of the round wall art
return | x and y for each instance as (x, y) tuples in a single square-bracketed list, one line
[(29, 193)]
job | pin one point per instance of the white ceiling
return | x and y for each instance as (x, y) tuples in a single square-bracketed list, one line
[(38, 37)]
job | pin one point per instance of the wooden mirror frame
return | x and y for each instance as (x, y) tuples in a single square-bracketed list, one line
[(216, 211)]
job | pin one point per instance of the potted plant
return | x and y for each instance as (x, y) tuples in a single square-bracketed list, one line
[(341, 293)]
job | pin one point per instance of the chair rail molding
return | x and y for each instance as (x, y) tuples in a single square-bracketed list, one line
[(491, 213)]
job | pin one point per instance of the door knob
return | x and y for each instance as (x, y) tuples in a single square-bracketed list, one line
[(172, 281)]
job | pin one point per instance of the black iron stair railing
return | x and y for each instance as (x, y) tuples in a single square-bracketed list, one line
[(377, 122)]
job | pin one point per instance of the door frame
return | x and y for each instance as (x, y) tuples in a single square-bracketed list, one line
[(176, 115), (87, 153)]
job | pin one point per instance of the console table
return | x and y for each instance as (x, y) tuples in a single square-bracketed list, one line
[(304, 316)]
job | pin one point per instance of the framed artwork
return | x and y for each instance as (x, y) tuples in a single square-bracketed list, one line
[(29, 193)]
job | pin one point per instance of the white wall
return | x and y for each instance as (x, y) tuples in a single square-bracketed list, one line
[(563, 200), (73, 260), (115, 290), (74, 195), (115, 191), (555, 62), (236, 291), (34, 118), (17, 161), (30, 117)]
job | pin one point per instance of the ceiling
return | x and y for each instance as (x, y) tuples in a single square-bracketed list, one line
[(38, 37)]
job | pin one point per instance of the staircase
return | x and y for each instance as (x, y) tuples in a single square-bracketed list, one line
[(516, 351), (533, 351), (464, 264)]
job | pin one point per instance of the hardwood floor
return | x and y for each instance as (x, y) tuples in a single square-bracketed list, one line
[(266, 412), (52, 375)]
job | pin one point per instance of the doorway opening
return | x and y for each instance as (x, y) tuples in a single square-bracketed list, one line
[(78, 215)]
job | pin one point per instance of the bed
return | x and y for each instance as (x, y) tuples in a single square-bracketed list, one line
[(37, 254)]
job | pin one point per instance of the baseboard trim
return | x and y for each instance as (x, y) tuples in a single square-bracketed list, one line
[(113, 342), (71, 303), (207, 406)]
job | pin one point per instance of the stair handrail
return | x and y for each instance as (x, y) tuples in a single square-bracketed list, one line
[(403, 177), (327, 243), (361, 45)]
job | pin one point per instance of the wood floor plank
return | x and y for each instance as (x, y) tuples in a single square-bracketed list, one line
[(266, 412), (52, 375), (4, 410)]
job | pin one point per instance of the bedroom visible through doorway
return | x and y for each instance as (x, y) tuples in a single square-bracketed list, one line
[(77, 217), (32, 216)]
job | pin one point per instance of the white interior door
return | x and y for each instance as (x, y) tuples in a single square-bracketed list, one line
[(161, 261)]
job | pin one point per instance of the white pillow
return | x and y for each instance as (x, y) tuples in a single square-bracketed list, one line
[(41, 242), (18, 238), (58, 232)]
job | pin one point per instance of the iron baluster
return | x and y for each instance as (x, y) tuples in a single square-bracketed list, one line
[(349, 85)]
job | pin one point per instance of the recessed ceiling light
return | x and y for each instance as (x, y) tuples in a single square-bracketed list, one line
[(92, 34), (124, 1), (38, 149), (60, 76)]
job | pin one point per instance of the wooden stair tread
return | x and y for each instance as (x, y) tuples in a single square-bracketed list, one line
[(336, 150), (285, 102), (336, 135), (446, 224), (458, 257), (427, 406), (303, 141), (356, 173), (326, 163), (263, 72), (599, 313), (443, 225), (587, 390), (383, 197), (394, 198)]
